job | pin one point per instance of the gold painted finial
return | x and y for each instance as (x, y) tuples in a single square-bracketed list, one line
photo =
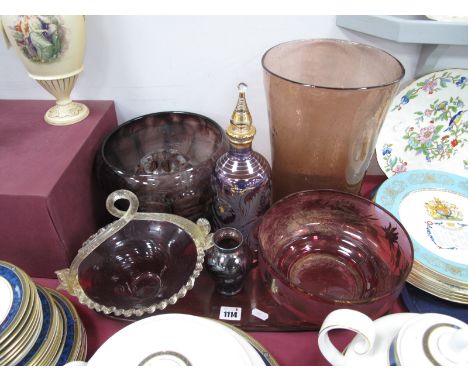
[(241, 131)]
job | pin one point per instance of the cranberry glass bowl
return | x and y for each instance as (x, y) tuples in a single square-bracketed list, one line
[(143, 263), (324, 250), (166, 159), (139, 263)]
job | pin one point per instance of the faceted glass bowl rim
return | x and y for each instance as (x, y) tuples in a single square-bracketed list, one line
[(337, 41), (121, 172), (360, 199)]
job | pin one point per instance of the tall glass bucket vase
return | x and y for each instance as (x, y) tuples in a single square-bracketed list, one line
[(326, 103)]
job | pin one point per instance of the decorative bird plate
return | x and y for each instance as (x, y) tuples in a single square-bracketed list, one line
[(427, 126)]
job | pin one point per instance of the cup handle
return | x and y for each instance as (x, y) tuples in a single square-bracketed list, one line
[(350, 320)]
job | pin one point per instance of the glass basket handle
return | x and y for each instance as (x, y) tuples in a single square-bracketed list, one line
[(126, 195)]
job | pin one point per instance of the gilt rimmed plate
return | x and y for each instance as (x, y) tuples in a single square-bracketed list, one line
[(433, 207), (426, 127), (73, 332), (438, 289), (25, 331), (59, 336), (49, 352), (173, 339), (14, 298), (45, 339), (266, 357), (25, 339)]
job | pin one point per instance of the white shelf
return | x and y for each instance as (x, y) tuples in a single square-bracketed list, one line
[(408, 29)]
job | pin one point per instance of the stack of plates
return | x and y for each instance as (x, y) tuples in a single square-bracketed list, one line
[(181, 340), (433, 207), (38, 326), (422, 148)]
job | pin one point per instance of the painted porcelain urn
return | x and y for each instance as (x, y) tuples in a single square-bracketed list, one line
[(52, 50)]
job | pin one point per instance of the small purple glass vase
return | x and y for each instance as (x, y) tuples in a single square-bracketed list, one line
[(229, 260), (241, 179)]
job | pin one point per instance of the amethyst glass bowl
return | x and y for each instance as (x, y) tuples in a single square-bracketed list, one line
[(138, 264), (324, 250), (166, 159)]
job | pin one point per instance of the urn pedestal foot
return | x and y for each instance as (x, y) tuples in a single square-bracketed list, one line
[(62, 115), (65, 111)]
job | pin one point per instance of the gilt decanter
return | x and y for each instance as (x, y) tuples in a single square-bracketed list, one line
[(241, 178)]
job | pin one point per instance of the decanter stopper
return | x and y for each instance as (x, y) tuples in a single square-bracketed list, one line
[(241, 131)]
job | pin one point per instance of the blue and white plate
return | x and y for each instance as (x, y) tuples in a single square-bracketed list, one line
[(433, 207), (48, 324), (25, 335), (14, 298), (72, 332)]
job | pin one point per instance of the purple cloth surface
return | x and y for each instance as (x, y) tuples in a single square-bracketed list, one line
[(49, 198), (288, 348)]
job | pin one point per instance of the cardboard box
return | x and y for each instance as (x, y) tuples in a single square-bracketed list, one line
[(50, 200)]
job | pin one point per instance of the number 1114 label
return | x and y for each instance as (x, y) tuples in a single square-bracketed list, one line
[(230, 313)]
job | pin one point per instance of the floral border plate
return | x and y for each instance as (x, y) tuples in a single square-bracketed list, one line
[(433, 207), (427, 126)]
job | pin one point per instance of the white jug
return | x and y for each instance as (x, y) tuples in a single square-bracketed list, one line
[(396, 339)]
